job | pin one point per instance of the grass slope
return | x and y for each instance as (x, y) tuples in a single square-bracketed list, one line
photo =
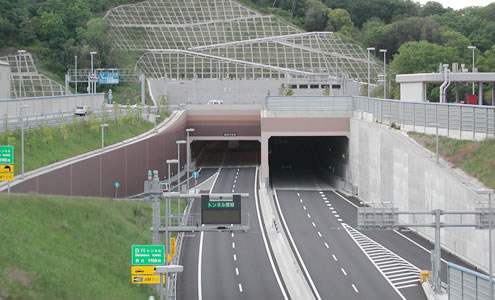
[(47, 145), (475, 158), (70, 248)]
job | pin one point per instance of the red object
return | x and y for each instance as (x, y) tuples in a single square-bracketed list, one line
[(472, 99)]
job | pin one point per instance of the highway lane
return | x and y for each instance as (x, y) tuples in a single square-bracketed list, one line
[(236, 266), (338, 268)]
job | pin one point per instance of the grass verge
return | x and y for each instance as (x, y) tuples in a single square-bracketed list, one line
[(475, 158), (71, 248), (46, 145)]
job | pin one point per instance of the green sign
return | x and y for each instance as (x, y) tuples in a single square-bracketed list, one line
[(221, 204), (148, 255), (7, 155)]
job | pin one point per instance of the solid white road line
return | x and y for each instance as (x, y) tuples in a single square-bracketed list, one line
[(343, 271), (334, 257), (200, 293), (345, 199), (355, 289), (313, 287), (270, 258), (429, 251)]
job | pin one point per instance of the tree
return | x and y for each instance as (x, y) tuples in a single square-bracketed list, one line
[(52, 29), (373, 33), (316, 16), (433, 8), (340, 20)]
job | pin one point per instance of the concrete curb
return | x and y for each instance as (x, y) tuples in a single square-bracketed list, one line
[(290, 271), (430, 294)]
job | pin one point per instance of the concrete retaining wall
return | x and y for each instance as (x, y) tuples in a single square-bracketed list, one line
[(55, 104), (387, 167)]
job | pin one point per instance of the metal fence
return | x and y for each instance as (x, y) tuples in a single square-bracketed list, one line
[(465, 284), (460, 121)]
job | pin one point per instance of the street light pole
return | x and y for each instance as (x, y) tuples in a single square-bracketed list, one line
[(103, 136), (188, 154), (75, 65), (19, 71), (472, 48), (92, 88), (384, 51), (369, 69), (178, 172)]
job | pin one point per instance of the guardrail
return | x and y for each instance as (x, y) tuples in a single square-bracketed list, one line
[(460, 121), (464, 284)]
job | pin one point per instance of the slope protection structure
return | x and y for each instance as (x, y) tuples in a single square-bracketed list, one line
[(223, 39), (26, 81)]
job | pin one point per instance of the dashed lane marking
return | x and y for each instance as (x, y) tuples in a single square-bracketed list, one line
[(334, 257), (397, 271), (326, 245), (313, 223), (343, 271), (309, 216), (355, 289), (237, 271), (233, 245), (235, 257), (340, 220), (319, 234), (304, 207), (240, 287)]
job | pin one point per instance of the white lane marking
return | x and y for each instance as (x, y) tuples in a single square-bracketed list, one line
[(309, 216), (340, 220), (345, 199), (337, 216), (232, 234), (235, 181), (334, 212), (237, 271), (314, 225), (326, 245), (343, 271), (326, 201), (298, 195), (329, 205), (235, 257), (304, 207), (301, 200), (233, 186), (233, 245), (270, 258), (334, 257), (232, 190), (321, 193), (324, 198), (240, 287), (429, 251), (355, 289), (282, 217), (319, 233), (200, 293)]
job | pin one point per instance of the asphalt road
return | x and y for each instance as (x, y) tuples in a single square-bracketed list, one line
[(337, 267), (233, 265)]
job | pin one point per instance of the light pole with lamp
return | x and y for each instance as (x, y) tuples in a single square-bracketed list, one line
[(92, 88), (19, 65), (22, 139), (75, 66), (472, 48), (167, 209), (188, 154), (103, 136), (384, 51), (181, 142), (369, 70), (154, 120), (489, 192)]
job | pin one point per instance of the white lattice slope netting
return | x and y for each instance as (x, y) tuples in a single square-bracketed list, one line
[(222, 38), (32, 83)]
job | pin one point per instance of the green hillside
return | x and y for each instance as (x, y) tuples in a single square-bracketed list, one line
[(70, 248)]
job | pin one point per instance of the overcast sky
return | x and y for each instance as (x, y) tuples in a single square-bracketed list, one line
[(458, 4)]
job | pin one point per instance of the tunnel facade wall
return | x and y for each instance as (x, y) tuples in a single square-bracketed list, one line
[(387, 167), (128, 165)]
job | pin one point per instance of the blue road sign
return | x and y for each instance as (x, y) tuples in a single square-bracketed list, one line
[(116, 185), (195, 175), (108, 78)]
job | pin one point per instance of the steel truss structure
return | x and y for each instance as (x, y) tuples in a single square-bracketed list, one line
[(219, 39), (32, 83)]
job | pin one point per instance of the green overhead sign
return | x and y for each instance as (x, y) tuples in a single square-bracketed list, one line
[(7, 155), (148, 255)]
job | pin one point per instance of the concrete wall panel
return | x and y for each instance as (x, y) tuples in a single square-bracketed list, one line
[(54, 184), (113, 170), (85, 178)]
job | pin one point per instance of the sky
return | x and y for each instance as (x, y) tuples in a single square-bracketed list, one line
[(458, 4)]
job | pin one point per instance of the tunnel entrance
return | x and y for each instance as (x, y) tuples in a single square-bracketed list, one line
[(307, 161), (226, 153)]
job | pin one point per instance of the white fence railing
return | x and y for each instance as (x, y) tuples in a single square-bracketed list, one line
[(465, 284), (454, 120)]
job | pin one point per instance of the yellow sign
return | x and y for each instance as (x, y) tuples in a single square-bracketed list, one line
[(172, 246), (6, 168), (145, 279), (169, 257), (143, 270), (6, 176)]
